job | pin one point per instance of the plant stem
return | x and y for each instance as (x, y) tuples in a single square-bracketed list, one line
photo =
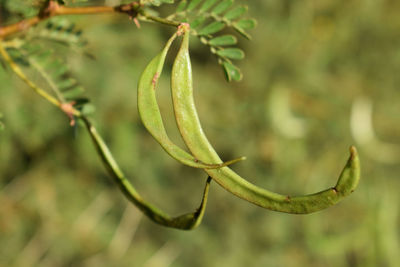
[(51, 10), (159, 20), (54, 9)]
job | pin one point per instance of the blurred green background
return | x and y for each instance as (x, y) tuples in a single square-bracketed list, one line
[(319, 76)]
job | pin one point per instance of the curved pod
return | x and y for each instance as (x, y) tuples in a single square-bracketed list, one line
[(186, 221), (194, 137), (150, 115)]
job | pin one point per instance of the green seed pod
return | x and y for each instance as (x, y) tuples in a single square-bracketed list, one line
[(184, 222), (194, 137), (151, 117)]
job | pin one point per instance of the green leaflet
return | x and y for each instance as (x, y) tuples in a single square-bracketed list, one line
[(151, 117), (223, 40), (244, 24), (211, 28), (223, 6), (181, 6), (193, 4), (235, 12), (232, 53), (184, 222), (231, 72), (194, 137), (197, 22), (207, 4)]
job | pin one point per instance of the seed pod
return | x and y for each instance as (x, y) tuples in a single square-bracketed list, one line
[(151, 117), (184, 222), (194, 137)]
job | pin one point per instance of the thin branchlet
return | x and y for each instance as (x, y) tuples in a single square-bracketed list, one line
[(52, 8)]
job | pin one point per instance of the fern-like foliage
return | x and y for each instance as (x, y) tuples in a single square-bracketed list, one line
[(61, 31), (57, 74), (17, 9), (208, 18), (30, 51)]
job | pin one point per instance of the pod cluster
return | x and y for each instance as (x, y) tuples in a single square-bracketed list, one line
[(203, 155)]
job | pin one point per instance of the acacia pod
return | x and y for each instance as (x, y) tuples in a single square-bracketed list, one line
[(184, 222), (197, 142), (150, 115)]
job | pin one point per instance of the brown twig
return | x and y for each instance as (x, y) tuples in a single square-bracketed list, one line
[(54, 9)]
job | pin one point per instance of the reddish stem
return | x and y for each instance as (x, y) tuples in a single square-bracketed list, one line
[(54, 9)]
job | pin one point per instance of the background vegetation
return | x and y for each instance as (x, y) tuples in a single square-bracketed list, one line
[(59, 208)]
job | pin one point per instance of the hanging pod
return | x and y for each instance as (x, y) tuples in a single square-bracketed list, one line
[(184, 222), (150, 115), (194, 137)]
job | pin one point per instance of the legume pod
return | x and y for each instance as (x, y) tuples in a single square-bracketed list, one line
[(194, 137), (150, 115), (184, 222)]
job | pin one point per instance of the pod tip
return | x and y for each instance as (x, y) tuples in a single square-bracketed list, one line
[(353, 152)]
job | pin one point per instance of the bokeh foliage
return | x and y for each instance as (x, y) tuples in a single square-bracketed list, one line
[(317, 57)]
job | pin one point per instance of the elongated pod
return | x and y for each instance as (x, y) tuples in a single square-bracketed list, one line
[(184, 222), (151, 117), (194, 137)]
